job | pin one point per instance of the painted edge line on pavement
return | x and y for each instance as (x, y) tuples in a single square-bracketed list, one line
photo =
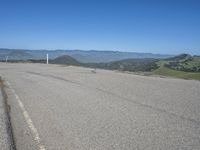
[(28, 120)]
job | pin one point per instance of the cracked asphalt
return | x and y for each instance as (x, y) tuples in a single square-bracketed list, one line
[(75, 108)]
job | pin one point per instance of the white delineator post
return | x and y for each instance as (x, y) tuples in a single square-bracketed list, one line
[(6, 58), (47, 59)]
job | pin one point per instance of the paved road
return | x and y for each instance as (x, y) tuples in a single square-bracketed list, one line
[(70, 108)]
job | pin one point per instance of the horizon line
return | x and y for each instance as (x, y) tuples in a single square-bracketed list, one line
[(96, 50)]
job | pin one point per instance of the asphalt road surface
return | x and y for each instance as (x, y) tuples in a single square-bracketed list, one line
[(72, 108)]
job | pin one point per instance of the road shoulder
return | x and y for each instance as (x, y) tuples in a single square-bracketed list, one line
[(6, 136)]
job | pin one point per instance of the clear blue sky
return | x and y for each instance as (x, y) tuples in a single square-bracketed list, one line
[(157, 26)]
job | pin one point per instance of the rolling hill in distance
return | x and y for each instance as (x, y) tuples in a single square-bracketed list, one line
[(83, 56), (181, 66), (65, 60)]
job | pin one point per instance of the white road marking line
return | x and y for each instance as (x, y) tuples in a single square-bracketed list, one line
[(28, 119)]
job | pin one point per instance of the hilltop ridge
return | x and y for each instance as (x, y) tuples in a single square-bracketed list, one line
[(84, 56)]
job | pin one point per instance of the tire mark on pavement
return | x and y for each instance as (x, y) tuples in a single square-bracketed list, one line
[(28, 120), (121, 97), (55, 77)]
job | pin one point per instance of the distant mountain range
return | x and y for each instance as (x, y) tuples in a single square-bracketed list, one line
[(90, 56), (181, 66)]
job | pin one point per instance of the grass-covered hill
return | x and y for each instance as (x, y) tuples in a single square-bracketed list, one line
[(128, 65), (181, 66), (184, 62), (65, 59), (164, 71)]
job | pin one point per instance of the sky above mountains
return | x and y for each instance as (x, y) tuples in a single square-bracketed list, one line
[(156, 26)]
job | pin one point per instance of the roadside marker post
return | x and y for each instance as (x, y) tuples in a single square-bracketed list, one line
[(47, 58), (6, 58)]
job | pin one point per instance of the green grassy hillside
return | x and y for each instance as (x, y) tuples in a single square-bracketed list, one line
[(183, 62), (128, 65), (181, 66), (164, 71)]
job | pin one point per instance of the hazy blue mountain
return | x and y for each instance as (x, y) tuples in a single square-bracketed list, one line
[(15, 54), (80, 55)]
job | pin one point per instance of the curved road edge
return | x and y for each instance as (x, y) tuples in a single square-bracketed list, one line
[(6, 135)]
